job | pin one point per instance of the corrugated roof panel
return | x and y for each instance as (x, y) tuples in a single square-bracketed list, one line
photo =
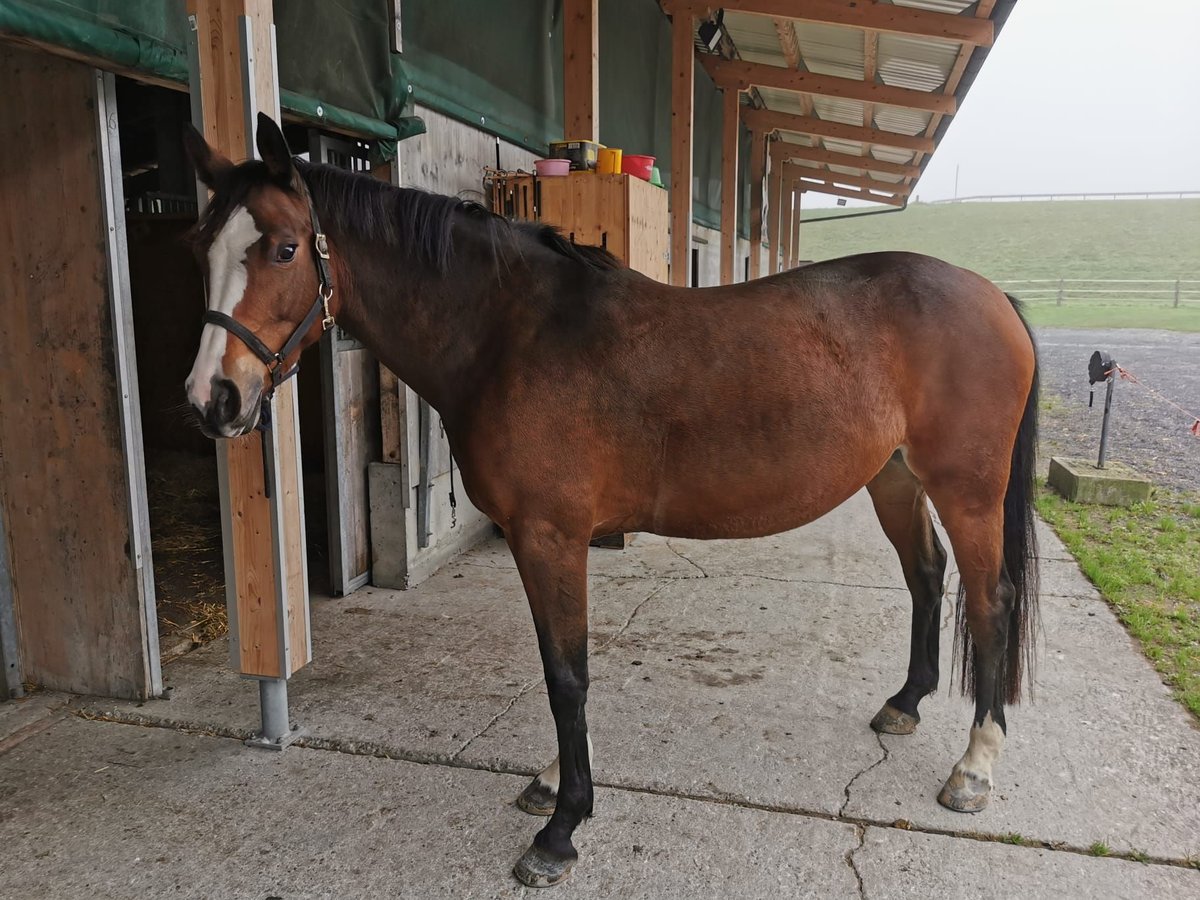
[(831, 50), (921, 64), (854, 148), (892, 154), (953, 7), (797, 138), (901, 120), (782, 101), (837, 109), (755, 38)]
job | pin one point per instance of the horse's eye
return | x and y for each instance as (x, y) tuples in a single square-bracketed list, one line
[(286, 253)]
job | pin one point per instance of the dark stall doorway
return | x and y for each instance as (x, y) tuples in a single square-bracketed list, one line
[(168, 299)]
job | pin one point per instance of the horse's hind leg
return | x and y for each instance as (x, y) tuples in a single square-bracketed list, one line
[(976, 531), (903, 512)]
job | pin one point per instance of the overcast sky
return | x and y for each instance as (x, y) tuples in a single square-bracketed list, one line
[(1078, 95)]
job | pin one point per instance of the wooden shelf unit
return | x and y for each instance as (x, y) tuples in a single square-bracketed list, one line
[(625, 215)]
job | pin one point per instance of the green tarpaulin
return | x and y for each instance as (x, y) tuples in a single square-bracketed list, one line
[(335, 67)]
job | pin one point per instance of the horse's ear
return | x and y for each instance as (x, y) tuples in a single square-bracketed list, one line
[(210, 164), (273, 149)]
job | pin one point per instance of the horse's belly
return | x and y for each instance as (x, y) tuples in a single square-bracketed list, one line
[(745, 494)]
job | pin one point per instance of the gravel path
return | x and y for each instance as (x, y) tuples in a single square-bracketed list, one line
[(1144, 433)]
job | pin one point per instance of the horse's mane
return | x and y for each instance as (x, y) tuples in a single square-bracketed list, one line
[(410, 221), (421, 223)]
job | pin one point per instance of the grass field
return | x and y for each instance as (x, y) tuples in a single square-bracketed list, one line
[(1114, 315), (1037, 239), (1085, 239), (1145, 561)]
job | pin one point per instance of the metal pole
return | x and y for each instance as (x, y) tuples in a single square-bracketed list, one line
[(1108, 394), (10, 678), (277, 731)]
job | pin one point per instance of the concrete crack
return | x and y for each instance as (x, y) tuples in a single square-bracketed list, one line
[(525, 689), (628, 621), (865, 587), (858, 775), (686, 559), (849, 857)]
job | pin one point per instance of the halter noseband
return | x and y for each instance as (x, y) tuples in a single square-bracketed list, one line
[(275, 361)]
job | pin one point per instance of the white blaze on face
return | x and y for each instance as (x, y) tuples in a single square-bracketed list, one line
[(226, 285)]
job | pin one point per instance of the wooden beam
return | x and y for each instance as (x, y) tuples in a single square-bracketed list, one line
[(743, 75), (858, 14), (729, 184), (822, 187), (683, 79), (767, 120), (268, 591), (581, 68), (786, 192), (785, 29), (786, 150), (794, 256), (774, 217), (758, 166), (793, 171), (870, 73)]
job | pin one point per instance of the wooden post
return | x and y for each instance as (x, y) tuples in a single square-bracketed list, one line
[(1060, 293), (581, 70), (683, 77), (794, 257), (1176, 303), (758, 151), (774, 192), (785, 224), (265, 567), (729, 183)]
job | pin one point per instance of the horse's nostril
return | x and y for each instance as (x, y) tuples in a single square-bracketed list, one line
[(225, 403)]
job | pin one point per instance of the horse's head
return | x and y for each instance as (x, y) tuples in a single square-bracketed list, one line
[(264, 276)]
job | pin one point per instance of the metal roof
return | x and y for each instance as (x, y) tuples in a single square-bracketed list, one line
[(909, 51)]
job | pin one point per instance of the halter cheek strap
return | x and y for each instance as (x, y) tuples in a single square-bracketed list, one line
[(276, 360)]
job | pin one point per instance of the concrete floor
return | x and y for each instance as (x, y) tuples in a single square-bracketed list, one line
[(732, 683)]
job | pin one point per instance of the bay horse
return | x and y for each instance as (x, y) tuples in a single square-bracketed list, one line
[(581, 399)]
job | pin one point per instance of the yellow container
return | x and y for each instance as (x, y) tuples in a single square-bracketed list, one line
[(609, 162)]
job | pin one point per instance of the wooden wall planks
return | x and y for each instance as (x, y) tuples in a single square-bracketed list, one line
[(63, 476)]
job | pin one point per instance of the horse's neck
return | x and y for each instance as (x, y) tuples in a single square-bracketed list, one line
[(427, 327)]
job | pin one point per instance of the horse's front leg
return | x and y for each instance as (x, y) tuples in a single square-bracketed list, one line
[(552, 560)]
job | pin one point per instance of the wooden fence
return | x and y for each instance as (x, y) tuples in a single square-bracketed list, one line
[(1165, 291)]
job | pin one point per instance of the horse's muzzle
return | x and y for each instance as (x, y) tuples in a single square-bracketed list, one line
[(222, 416)]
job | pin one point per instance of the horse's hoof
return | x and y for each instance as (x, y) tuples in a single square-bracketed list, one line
[(540, 869), (890, 720), (537, 799), (964, 792)]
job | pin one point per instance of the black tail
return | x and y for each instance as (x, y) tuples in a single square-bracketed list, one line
[(1020, 553)]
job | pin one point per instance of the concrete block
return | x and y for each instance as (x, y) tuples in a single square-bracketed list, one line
[(389, 497), (1115, 485)]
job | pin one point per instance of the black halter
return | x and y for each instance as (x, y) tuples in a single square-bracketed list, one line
[(276, 361)]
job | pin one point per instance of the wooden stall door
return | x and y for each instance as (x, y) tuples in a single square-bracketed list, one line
[(72, 481), (350, 384)]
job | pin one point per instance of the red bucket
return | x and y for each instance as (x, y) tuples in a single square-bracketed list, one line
[(638, 166)]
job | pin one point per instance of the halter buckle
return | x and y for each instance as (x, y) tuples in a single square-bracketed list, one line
[(321, 244), (326, 295)]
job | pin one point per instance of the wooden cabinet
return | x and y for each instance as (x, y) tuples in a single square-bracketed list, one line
[(623, 214)]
